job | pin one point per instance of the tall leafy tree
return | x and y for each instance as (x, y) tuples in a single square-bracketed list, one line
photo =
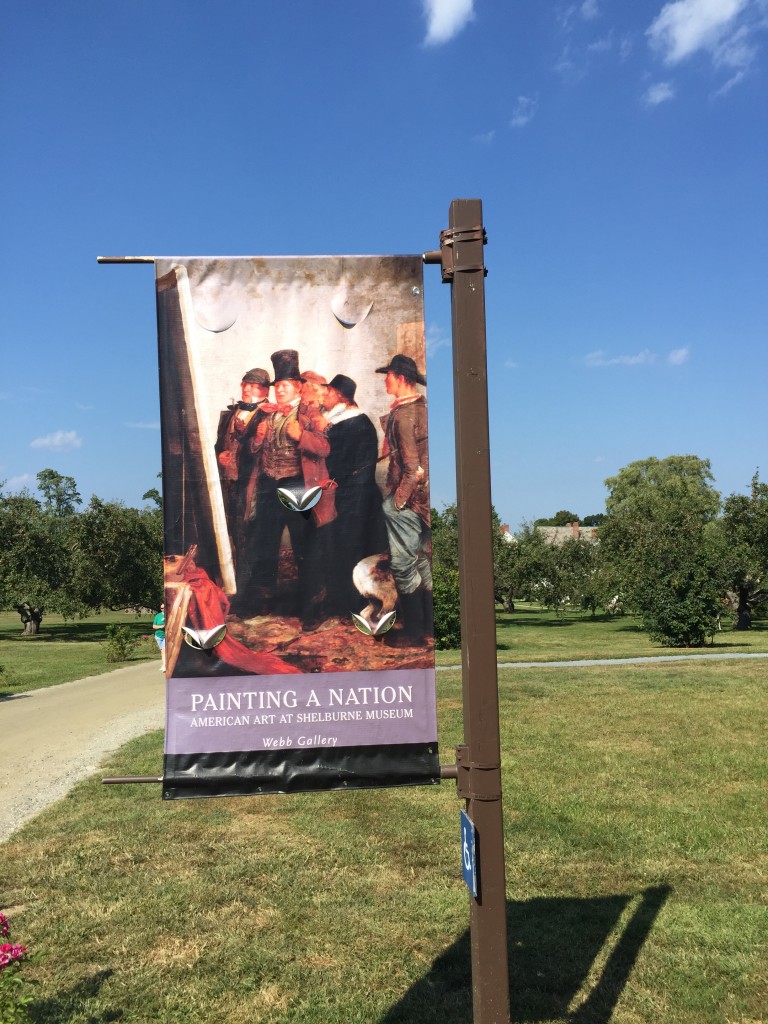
[(745, 529), (35, 549), (663, 547)]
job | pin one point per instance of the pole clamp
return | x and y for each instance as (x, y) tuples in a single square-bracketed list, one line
[(448, 246), (476, 780)]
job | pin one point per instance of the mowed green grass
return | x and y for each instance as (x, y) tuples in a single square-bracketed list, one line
[(64, 650), (634, 803), (532, 633)]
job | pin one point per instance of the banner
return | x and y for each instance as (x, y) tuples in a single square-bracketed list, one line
[(298, 586)]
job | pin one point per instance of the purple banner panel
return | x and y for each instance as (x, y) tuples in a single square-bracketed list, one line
[(269, 713)]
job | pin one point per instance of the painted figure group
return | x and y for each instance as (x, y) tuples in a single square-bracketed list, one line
[(313, 434)]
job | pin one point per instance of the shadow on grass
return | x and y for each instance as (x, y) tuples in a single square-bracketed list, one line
[(553, 945), (69, 1005), (74, 631)]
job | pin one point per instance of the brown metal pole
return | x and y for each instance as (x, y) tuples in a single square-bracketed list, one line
[(480, 758)]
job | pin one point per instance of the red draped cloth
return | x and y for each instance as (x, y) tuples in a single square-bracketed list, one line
[(208, 607)]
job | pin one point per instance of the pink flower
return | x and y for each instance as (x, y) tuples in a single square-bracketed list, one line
[(10, 954)]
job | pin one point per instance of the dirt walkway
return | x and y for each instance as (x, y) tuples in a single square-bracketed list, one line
[(52, 738)]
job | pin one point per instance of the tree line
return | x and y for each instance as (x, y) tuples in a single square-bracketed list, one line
[(58, 557), (668, 548)]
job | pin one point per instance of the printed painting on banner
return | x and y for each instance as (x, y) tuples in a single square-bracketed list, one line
[(296, 493)]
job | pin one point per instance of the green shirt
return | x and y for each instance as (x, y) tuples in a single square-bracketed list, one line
[(159, 620)]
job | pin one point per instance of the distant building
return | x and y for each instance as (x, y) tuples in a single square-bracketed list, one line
[(558, 535), (506, 535)]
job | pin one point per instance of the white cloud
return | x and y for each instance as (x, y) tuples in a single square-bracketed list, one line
[(523, 112), (15, 483), (589, 9), (437, 338), (601, 45), (143, 426), (724, 29), (485, 138), (59, 440), (446, 18), (658, 93), (510, 364), (678, 356), (601, 358)]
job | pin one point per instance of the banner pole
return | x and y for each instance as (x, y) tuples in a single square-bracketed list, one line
[(479, 759)]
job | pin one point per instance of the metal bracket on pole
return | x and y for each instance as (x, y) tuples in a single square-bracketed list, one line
[(476, 781)]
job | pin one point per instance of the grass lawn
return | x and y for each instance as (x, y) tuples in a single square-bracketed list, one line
[(636, 875), (63, 650), (532, 633)]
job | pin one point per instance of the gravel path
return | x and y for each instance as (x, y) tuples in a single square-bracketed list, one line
[(54, 737)]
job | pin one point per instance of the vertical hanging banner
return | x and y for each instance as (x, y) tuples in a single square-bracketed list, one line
[(298, 586)]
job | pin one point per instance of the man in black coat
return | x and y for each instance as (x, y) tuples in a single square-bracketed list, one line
[(359, 529)]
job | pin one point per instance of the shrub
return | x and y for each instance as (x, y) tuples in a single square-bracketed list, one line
[(121, 642)]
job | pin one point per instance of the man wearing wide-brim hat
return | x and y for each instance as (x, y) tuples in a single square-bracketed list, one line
[(237, 465), (279, 466), (406, 506)]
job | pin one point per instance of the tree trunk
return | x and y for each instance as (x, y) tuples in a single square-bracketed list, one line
[(743, 618), (31, 617)]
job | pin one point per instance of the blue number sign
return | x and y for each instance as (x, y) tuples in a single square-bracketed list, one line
[(468, 853)]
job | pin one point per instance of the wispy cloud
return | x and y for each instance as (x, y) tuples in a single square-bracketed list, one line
[(601, 358), (143, 426), (589, 10), (523, 111), (15, 483), (485, 138), (658, 93), (678, 356), (510, 364), (724, 29), (58, 441), (437, 338), (84, 408), (445, 19)]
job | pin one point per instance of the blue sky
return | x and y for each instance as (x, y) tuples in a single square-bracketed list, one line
[(620, 150)]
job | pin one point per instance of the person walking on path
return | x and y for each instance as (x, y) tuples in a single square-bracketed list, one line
[(158, 625)]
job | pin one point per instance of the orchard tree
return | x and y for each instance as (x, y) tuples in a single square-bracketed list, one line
[(117, 556), (745, 530), (35, 546), (663, 549)]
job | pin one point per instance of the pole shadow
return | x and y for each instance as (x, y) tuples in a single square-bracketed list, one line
[(69, 1005), (553, 945)]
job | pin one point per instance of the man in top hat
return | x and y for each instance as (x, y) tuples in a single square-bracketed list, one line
[(279, 465), (237, 467), (406, 506), (358, 530)]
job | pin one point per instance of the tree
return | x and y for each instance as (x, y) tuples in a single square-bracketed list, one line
[(596, 520), (117, 556), (561, 518), (663, 548), (445, 571), (35, 567), (54, 558), (745, 530)]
